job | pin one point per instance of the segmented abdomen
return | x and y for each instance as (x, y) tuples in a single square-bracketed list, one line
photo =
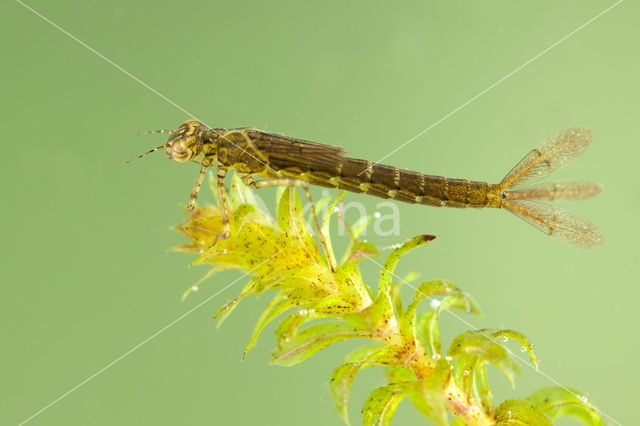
[(362, 176)]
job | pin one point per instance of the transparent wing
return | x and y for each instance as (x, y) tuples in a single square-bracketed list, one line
[(552, 154), (564, 191), (558, 223)]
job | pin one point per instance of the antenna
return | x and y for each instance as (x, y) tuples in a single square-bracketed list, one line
[(158, 148), (153, 132)]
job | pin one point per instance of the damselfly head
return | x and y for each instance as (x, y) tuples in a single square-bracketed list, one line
[(187, 141), (184, 143)]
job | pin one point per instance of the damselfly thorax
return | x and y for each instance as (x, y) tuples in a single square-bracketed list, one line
[(294, 162)]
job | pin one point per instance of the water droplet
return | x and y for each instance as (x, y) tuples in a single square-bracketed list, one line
[(195, 288), (336, 209), (505, 339), (448, 358), (523, 349), (435, 303), (583, 398), (312, 312), (435, 357), (303, 312), (285, 297), (465, 372), (377, 215), (201, 251), (225, 251), (509, 414)]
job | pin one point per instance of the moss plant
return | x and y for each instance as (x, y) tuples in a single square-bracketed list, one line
[(448, 387)]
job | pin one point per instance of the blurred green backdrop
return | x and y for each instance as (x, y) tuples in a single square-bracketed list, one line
[(86, 275)]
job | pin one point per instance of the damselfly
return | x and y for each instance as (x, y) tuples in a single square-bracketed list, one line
[(286, 161)]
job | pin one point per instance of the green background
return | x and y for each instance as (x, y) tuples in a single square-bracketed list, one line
[(86, 275)]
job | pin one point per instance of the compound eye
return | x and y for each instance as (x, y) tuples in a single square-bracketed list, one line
[(180, 152)]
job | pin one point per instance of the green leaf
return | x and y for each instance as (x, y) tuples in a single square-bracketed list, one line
[(249, 247), (527, 346), (290, 217), (376, 318), (427, 323), (278, 305), (557, 401), (312, 339), (240, 194), (360, 225), (349, 283), (343, 376), (386, 275), (519, 412), (427, 289), (315, 278), (395, 374), (482, 345), (225, 310), (390, 355), (196, 286), (356, 229), (340, 385), (480, 389), (360, 250), (325, 225), (396, 299), (246, 213), (411, 276), (427, 396), (330, 306), (381, 405)]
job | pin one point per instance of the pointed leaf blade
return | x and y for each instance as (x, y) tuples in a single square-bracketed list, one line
[(312, 339), (381, 405), (386, 275), (557, 401), (519, 412)]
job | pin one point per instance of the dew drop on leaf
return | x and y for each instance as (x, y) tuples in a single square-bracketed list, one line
[(435, 303), (523, 349), (195, 288), (505, 339), (466, 372)]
